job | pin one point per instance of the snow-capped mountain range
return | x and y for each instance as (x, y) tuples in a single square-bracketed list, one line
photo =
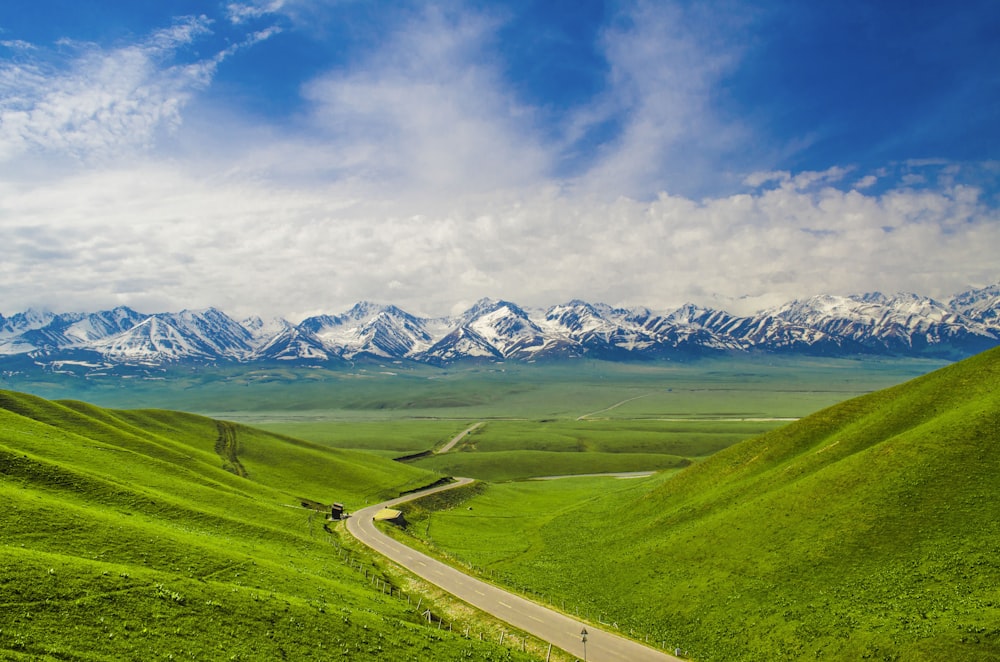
[(495, 330)]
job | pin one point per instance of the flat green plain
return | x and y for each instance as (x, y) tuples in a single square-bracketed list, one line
[(734, 387)]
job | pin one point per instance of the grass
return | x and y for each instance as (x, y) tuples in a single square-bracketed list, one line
[(393, 437), (753, 386), (869, 530), (149, 534), (516, 465), (512, 450), (125, 537)]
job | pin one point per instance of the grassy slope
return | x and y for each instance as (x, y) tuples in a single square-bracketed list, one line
[(868, 530), (125, 539)]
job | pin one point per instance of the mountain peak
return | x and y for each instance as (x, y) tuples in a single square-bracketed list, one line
[(497, 329)]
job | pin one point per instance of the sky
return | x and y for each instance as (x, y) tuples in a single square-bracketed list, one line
[(292, 157)]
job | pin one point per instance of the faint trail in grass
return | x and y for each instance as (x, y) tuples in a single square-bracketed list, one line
[(614, 406), (225, 447), (457, 438)]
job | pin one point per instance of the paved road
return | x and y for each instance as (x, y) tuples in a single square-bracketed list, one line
[(546, 624), (458, 437)]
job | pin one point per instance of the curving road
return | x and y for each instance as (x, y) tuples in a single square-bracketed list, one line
[(546, 624)]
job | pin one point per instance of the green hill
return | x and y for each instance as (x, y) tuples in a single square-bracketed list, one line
[(148, 535), (870, 530)]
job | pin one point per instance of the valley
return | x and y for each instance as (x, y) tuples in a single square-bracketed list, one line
[(865, 531), (757, 533)]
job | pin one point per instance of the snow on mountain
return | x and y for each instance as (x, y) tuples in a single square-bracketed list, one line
[(582, 321), (151, 341), (200, 335), (263, 331), (462, 343), (18, 323), (900, 323), (691, 329), (599, 329), (80, 330), (489, 329), (905, 324), (981, 305), (67, 330), (293, 344), (505, 327), (369, 328), (761, 331)]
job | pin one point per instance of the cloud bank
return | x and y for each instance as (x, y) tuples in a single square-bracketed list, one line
[(418, 176)]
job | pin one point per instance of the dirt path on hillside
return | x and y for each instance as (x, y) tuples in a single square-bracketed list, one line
[(614, 406), (226, 446), (458, 437)]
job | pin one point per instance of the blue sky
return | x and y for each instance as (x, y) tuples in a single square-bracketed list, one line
[(294, 156)]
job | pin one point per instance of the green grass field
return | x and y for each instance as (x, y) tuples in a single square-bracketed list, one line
[(582, 417), (870, 530), (735, 387), (512, 450), (150, 535)]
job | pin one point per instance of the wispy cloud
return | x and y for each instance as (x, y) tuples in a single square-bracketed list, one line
[(241, 12), (17, 45), (105, 103), (665, 60), (250, 246), (430, 111)]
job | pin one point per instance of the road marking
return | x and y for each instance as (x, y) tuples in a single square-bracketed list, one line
[(504, 604), (480, 593)]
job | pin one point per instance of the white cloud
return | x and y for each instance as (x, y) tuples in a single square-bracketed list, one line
[(416, 177), (17, 45), (158, 237), (241, 12), (429, 112), (664, 62), (866, 182), (105, 103)]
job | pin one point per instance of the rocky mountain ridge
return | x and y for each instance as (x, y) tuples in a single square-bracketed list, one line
[(496, 330)]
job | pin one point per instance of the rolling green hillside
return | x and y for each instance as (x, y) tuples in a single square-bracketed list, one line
[(151, 535), (870, 530)]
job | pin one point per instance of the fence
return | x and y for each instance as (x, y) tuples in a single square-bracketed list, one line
[(518, 641)]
